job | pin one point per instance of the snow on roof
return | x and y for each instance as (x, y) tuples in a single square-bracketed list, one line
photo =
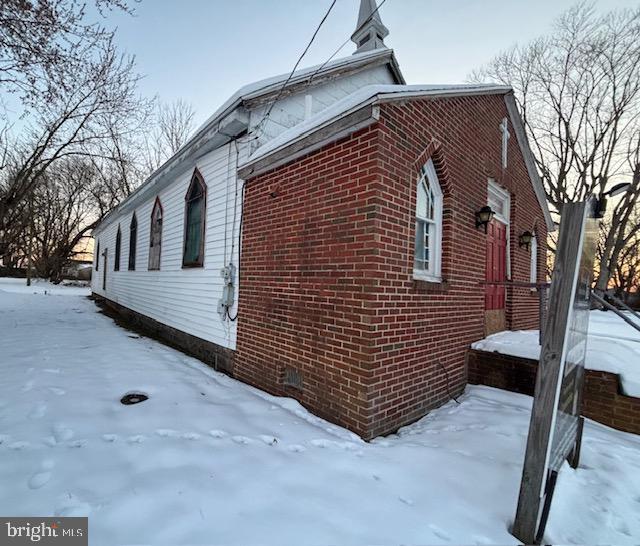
[(273, 83), (364, 95), (250, 91)]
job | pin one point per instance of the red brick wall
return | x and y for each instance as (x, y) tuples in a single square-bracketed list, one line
[(306, 279), (326, 273), (422, 328)]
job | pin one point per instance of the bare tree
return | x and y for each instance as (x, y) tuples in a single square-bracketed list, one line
[(81, 143), (173, 125), (73, 195), (101, 106), (61, 209), (40, 40), (578, 91)]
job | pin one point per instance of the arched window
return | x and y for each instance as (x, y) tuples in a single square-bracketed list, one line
[(133, 242), (155, 238), (428, 247), (116, 258), (194, 216)]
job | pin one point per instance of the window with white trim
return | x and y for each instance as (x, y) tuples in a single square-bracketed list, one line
[(428, 243), (533, 273)]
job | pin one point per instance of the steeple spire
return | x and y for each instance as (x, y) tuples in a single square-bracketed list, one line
[(370, 32)]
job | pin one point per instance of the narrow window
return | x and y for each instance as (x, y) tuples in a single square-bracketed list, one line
[(97, 255), (133, 242), (194, 216), (155, 239), (428, 247), (116, 258), (533, 275)]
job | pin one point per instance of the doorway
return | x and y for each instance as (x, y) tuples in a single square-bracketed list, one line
[(104, 270), (496, 277)]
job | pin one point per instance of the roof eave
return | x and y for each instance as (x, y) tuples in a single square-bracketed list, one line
[(529, 159), (262, 164), (212, 125)]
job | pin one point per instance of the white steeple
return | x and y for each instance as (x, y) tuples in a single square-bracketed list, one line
[(370, 32)]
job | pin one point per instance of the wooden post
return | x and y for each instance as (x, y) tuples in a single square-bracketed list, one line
[(30, 241), (542, 311), (552, 430)]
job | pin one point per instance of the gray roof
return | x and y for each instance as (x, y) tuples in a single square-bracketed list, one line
[(291, 143), (229, 119)]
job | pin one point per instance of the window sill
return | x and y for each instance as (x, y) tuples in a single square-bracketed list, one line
[(192, 266), (427, 283), (428, 287), (426, 277)]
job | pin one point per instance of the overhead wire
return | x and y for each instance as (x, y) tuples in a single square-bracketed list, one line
[(259, 126), (364, 23), (295, 67)]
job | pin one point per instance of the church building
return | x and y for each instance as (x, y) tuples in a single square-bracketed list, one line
[(338, 237)]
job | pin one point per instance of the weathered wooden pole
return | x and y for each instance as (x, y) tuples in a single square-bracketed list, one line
[(30, 241)]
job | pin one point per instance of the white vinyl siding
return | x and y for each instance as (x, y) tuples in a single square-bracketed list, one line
[(291, 110), (183, 298), (187, 298)]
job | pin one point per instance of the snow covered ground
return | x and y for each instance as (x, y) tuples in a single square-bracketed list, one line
[(41, 286), (208, 460), (612, 346)]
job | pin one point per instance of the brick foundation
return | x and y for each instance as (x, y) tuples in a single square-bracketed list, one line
[(603, 400), (213, 355)]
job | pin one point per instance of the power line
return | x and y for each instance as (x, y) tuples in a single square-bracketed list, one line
[(315, 73), (306, 49)]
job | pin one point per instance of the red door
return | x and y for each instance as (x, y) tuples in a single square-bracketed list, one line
[(496, 265)]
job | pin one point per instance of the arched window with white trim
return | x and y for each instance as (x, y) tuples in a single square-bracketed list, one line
[(428, 243)]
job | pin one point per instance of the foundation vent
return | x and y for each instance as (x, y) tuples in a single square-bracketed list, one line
[(292, 378)]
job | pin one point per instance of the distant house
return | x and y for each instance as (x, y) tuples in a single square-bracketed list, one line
[(330, 250)]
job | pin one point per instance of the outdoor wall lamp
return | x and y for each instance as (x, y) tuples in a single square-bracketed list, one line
[(484, 216), (601, 203), (525, 239)]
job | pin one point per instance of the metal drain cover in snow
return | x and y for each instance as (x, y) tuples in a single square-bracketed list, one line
[(133, 398)]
